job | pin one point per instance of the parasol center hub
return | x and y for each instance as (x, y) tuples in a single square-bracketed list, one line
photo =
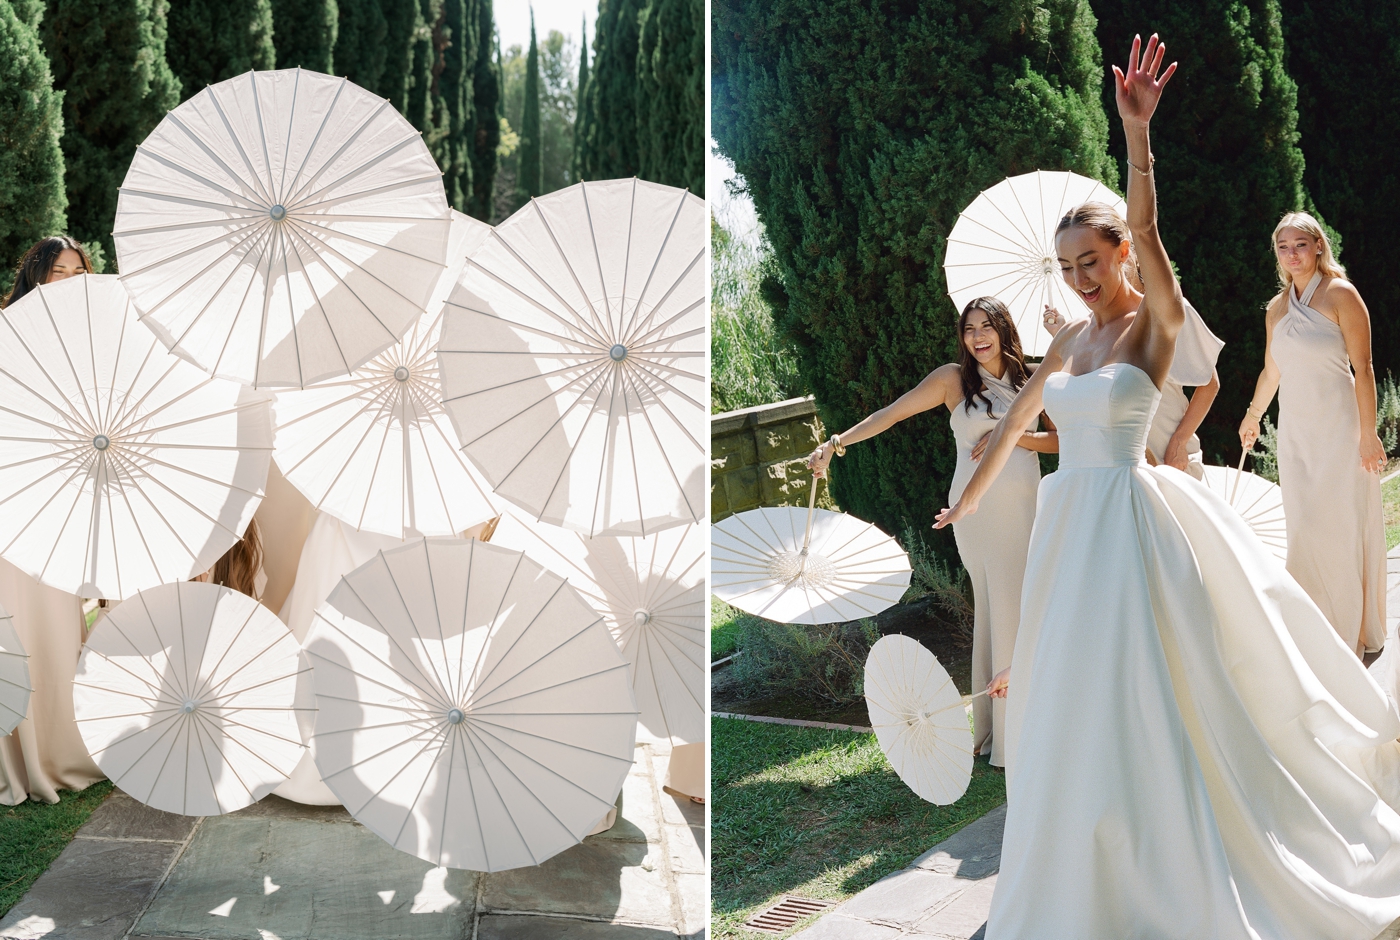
[(618, 353), (401, 373), (455, 716), (642, 617), (277, 213), (1047, 265), (101, 442), (802, 568), (188, 707)]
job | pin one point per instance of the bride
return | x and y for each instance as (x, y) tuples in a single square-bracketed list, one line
[(1191, 750)]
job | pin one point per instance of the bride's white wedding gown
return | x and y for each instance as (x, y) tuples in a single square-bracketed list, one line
[(1192, 752)]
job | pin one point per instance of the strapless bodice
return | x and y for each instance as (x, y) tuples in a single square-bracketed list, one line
[(1103, 416)]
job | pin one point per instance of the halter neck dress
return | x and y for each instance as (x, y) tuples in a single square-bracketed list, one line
[(992, 542), (1332, 507)]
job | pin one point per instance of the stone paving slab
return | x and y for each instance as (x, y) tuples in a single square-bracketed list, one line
[(528, 927), (121, 817), (622, 881)]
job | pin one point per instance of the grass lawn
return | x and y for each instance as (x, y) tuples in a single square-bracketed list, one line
[(1390, 498), (816, 813), (32, 834), (724, 628)]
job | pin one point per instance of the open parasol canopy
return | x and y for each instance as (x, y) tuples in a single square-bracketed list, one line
[(280, 228), (375, 449), (1003, 245), (14, 676), (121, 466), (651, 593), (184, 698), (919, 719), (573, 358), (1258, 501), (473, 711), (809, 567)]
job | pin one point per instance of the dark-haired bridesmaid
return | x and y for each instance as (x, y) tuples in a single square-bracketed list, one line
[(978, 389)]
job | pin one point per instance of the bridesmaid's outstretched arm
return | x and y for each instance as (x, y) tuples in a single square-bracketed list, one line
[(939, 387)]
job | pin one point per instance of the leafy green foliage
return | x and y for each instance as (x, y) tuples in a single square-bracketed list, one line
[(817, 813), (610, 149), (108, 58), (529, 179), (558, 97), (213, 40), (401, 22), (1349, 129), (360, 42), (484, 131), (749, 364), (671, 94), (945, 584), (425, 108), (455, 83), (824, 663), (31, 126), (1388, 412), (861, 130), (304, 32), (1228, 167), (580, 130)]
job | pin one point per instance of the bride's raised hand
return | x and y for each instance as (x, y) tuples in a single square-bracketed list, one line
[(1138, 88)]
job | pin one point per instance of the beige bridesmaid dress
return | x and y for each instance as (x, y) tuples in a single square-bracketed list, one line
[(45, 753), (1336, 534), (993, 543)]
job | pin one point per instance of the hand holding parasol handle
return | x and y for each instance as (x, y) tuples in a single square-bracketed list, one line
[(1239, 472)]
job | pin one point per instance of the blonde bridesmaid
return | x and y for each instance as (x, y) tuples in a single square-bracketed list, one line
[(978, 389), (1318, 332)]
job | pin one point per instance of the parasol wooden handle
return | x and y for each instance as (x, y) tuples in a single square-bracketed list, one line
[(811, 511), (1239, 473)]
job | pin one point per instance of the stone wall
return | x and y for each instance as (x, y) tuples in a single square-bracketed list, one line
[(758, 456)]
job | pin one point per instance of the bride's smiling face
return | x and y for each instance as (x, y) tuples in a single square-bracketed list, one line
[(1092, 265), (980, 338)]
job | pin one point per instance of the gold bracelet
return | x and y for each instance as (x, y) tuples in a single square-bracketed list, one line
[(836, 445), (1151, 161), (1256, 415)]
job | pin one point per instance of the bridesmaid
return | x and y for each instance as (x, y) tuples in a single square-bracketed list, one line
[(977, 390), (45, 753), (1317, 331)]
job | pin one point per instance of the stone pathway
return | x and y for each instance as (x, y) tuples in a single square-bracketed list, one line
[(283, 871), (945, 893)]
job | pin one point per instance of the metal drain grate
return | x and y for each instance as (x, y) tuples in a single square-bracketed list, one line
[(788, 911)]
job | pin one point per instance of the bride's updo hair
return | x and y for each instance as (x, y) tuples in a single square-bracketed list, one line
[(1011, 356), (1105, 220), (1304, 222)]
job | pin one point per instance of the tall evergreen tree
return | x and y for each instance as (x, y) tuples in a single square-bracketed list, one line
[(360, 42), (426, 109), (671, 94), (459, 61), (108, 58), (401, 18), (1349, 130), (304, 32), (211, 40), (31, 126), (529, 179), (581, 121), (486, 115), (610, 151), (862, 128), (1228, 166)]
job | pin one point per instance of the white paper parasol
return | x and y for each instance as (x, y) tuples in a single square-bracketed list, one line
[(1003, 245), (812, 566), (375, 449), (14, 676), (184, 698), (1258, 501), (573, 355), (123, 466), (651, 592), (472, 710), (280, 228), (919, 719)]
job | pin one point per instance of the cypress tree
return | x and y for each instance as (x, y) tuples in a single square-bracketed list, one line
[(486, 115), (671, 94), (31, 126), (211, 40), (401, 20), (610, 151), (530, 176), (304, 32), (425, 105), (581, 121), (360, 39), (459, 61), (1228, 166), (108, 59), (1354, 181), (862, 128)]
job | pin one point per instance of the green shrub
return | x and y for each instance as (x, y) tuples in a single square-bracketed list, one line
[(1388, 412), (824, 663), (946, 586)]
